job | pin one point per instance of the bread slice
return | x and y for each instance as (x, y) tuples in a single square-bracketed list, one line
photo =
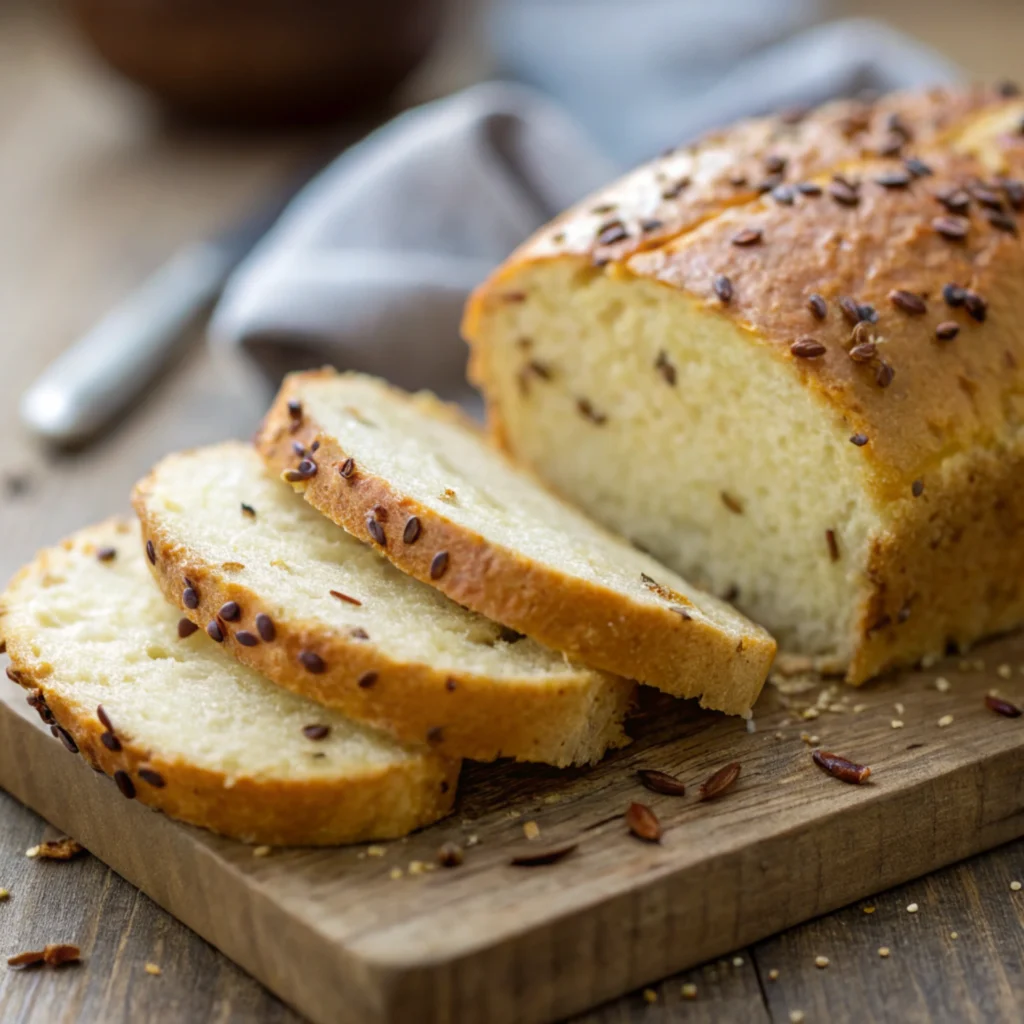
[(183, 727), (803, 406), (323, 614), (416, 480)]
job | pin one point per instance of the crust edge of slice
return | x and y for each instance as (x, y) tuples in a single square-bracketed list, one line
[(555, 724), (384, 803), (586, 621)]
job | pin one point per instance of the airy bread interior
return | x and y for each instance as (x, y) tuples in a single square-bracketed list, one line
[(427, 451), (294, 557), (664, 422), (101, 633)]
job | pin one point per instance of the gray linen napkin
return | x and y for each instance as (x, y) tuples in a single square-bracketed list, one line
[(370, 266)]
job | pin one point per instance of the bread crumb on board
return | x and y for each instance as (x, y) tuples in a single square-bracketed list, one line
[(153, 969)]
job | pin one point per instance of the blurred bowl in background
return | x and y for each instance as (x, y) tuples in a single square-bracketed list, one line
[(263, 61)]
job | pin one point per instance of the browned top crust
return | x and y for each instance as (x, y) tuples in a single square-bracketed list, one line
[(875, 208)]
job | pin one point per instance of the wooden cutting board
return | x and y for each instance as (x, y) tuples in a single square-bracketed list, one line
[(335, 935)]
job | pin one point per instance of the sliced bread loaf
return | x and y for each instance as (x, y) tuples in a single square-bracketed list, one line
[(294, 596), (416, 480), (184, 728)]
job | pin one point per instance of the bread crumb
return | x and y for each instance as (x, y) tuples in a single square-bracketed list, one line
[(376, 851), (552, 798), (473, 840), (859, 708), (32, 851), (978, 665), (262, 851), (531, 830), (513, 814), (153, 969), (689, 990), (395, 874), (773, 974), (419, 867), (945, 720), (809, 714), (898, 708), (942, 684), (650, 996), (896, 723), (1004, 671), (63, 848), (796, 1017), (821, 961), (4, 895), (751, 725), (883, 951), (1015, 886), (737, 961), (912, 908), (868, 910), (954, 935)]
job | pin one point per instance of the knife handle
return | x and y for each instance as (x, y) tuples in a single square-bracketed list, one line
[(106, 368)]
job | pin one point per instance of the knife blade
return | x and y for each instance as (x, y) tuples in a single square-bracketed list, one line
[(100, 374)]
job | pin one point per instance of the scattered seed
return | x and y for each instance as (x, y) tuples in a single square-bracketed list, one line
[(450, 855), (186, 628), (125, 784), (265, 627), (833, 545), (1001, 707), (248, 511), (643, 823), (840, 768), (807, 348), (376, 531), (748, 236), (953, 228), (316, 732), (661, 782), (732, 503), (106, 554), (312, 662), (439, 565), (908, 302), (720, 781), (539, 858), (345, 597)]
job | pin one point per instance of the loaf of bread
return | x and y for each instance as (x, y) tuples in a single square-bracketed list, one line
[(292, 595), (182, 727), (789, 362), (417, 481)]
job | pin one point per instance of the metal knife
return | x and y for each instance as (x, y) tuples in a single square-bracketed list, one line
[(84, 388)]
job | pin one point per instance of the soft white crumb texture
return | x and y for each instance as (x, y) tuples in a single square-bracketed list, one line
[(423, 451), (724, 467), (103, 634), (293, 557)]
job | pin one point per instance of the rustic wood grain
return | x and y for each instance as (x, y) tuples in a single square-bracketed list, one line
[(339, 939)]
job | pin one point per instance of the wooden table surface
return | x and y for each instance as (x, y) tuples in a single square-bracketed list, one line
[(95, 193)]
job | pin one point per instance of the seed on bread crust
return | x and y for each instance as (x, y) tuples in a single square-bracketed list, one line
[(411, 533), (125, 784), (439, 565), (376, 531), (311, 661), (266, 628)]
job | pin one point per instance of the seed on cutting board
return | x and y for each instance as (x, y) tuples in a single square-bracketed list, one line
[(1001, 707), (551, 855), (643, 823), (841, 768), (720, 781), (661, 782)]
